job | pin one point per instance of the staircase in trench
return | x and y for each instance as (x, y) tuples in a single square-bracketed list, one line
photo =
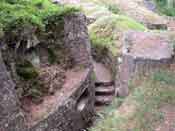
[(104, 86)]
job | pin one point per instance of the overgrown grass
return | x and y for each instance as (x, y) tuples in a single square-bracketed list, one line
[(141, 110), (14, 13), (106, 31), (161, 4)]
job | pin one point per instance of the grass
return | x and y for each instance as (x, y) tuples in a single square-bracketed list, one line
[(106, 31), (141, 109), (17, 13)]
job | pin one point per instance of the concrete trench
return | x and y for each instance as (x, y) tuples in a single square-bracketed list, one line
[(85, 95)]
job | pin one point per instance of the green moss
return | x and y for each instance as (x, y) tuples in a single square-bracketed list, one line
[(26, 70), (106, 31), (15, 13)]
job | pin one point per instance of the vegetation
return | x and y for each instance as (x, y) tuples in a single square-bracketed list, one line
[(166, 8), (141, 110), (106, 31), (113, 8), (26, 70), (15, 13), (29, 85)]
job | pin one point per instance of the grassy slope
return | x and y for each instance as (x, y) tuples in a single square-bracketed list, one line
[(141, 110), (106, 31)]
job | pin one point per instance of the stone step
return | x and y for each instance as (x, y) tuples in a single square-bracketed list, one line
[(102, 73), (104, 90), (109, 83), (103, 100)]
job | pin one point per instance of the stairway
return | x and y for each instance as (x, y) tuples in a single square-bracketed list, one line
[(104, 86)]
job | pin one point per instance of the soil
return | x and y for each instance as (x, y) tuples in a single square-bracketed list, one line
[(37, 112)]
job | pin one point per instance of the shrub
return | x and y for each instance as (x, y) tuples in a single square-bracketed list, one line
[(14, 13)]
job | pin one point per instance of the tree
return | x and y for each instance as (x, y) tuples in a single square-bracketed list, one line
[(171, 3)]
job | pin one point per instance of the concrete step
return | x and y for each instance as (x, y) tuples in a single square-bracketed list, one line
[(103, 100), (110, 83), (102, 73), (104, 90)]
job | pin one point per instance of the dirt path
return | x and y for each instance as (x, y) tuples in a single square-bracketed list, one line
[(168, 123)]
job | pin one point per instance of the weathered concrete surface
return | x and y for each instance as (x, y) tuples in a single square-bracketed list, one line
[(102, 73), (11, 118), (147, 46), (143, 53), (77, 38), (67, 115), (74, 110)]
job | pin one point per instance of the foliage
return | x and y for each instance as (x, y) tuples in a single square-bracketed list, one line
[(161, 4), (26, 70), (165, 77), (15, 13), (106, 31)]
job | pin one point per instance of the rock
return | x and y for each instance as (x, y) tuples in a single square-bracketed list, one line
[(143, 53), (11, 117), (66, 109), (77, 39), (103, 100)]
